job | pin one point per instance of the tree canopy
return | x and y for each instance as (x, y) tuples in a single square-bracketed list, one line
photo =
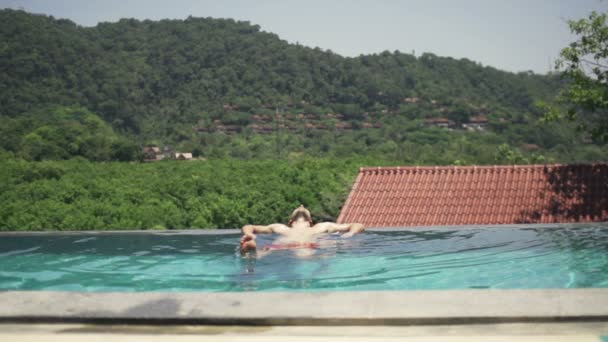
[(153, 77), (584, 64)]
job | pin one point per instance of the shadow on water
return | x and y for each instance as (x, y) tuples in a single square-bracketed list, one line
[(574, 193)]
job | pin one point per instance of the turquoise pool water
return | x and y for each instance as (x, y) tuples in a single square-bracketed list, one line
[(506, 258)]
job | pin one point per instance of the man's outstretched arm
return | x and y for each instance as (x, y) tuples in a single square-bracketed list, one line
[(330, 227), (249, 231)]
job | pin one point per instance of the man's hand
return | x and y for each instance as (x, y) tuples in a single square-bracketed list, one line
[(248, 242), (248, 237), (354, 228)]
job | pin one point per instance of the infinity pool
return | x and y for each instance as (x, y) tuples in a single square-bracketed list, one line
[(466, 258)]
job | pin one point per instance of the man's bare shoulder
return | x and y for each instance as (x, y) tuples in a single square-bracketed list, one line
[(328, 227), (278, 228)]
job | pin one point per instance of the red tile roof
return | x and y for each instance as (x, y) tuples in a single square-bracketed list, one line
[(456, 195)]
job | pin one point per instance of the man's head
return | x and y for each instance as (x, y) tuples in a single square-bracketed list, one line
[(301, 214)]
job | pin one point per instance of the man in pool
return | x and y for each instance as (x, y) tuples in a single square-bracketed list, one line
[(299, 234)]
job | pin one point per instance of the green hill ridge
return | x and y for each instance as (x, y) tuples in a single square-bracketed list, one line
[(221, 87)]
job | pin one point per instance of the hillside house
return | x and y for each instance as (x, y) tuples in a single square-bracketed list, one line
[(439, 122), (182, 156), (152, 153), (476, 123), (343, 126), (228, 129), (264, 129), (367, 125)]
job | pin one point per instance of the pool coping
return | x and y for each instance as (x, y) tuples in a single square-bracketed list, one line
[(203, 231), (308, 308)]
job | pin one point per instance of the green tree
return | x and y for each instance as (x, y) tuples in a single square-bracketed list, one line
[(585, 66), (506, 155)]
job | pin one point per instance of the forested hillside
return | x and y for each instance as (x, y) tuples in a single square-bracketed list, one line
[(222, 88), (133, 71)]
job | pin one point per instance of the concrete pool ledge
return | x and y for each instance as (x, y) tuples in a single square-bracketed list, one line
[(203, 231), (311, 308)]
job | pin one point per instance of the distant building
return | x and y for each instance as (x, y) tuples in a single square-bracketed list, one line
[(476, 123), (182, 156), (439, 122), (343, 125), (367, 125), (152, 153)]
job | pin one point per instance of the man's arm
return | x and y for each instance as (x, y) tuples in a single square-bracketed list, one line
[(249, 231), (330, 227), (269, 229)]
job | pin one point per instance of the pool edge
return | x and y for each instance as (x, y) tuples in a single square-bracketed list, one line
[(204, 231), (316, 308)]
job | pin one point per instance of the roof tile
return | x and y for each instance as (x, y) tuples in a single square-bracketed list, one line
[(453, 195)]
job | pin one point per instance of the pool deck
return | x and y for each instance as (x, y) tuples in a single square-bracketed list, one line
[(470, 333)]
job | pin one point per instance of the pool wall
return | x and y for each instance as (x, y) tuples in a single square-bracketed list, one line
[(319, 308)]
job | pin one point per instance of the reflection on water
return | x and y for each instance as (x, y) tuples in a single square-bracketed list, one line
[(529, 257)]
